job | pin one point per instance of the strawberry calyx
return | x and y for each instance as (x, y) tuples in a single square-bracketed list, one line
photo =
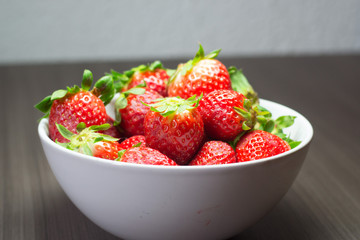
[(104, 89), (143, 68), (276, 126), (86, 137), (123, 79), (259, 118), (240, 84), (174, 105), (200, 55), (250, 113)]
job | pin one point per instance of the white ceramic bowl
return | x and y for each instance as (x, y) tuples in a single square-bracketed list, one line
[(186, 202)]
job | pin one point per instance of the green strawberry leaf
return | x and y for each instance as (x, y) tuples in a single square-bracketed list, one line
[(120, 80), (120, 154), (87, 80), (173, 105), (136, 90), (65, 145), (64, 131), (104, 87), (108, 138), (284, 121), (44, 105), (200, 54), (240, 84), (142, 68), (121, 102), (155, 65), (102, 127), (269, 126), (58, 94), (73, 90), (137, 145), (85, 149), (245, 127), (98, 139), (294, 144), (281, 135), (81, 126), (213, 54)]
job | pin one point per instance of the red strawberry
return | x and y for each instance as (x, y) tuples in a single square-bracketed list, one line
[(131, 141), (214, 152), (130, 110), (259, 144), (75, 105), (145, 155), (89, 141), (154, 75), (201, 75), (221, 119), (175, 128)]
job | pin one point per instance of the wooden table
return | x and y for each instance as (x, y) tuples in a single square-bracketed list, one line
[(323, 203)]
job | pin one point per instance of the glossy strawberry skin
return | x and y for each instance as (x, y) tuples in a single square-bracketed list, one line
[(73, 109), (155, 80), (131, 141), (221, 121), (146, 155), (214, 153), (178, 136), (132, 116), (106, 150), (259, 144), (206, 76)]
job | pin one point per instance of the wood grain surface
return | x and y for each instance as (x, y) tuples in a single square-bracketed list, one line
[(323, 203)]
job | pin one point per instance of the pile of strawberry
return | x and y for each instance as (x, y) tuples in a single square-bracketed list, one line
[(199, 114)]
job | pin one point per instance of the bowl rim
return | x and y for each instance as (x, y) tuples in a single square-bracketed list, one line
[(44, 136)]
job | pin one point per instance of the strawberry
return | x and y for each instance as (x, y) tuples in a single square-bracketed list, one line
[(130, 110), (89, 141), (131, 141), (154, 75), (259, 144), (106, 150), (145, 155), (175, 128), (74, 105), (220, 113), (214, 152), (201, 75)]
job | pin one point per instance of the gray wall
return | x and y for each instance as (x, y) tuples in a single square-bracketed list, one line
[(52, 31)]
